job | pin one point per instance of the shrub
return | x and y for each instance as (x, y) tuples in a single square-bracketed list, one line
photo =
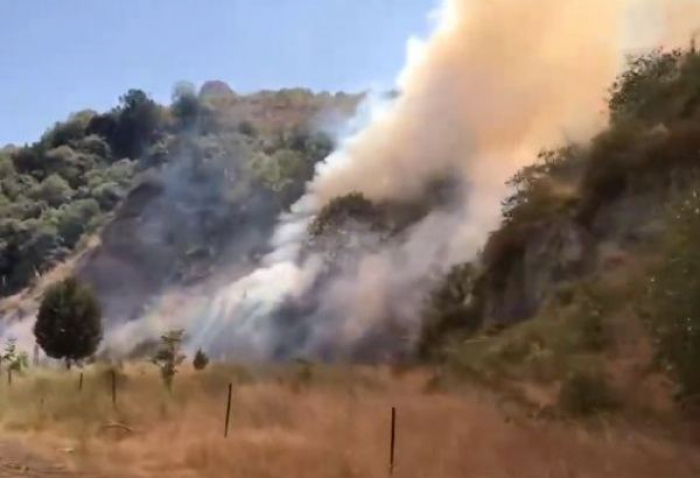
[(451, 307), (14, 360), (54, 190), (585, 394), (247, 128), (200, 360), (674, 296), (168, 356), (542, 188), (352, 206)]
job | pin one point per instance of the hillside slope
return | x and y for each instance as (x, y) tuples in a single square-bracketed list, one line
[(175, 193), (592, 268)]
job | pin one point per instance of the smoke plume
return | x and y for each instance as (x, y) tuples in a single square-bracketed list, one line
[(497, 81)]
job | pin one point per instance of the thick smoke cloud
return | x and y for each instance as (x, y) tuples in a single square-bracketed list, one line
[(497, 81)]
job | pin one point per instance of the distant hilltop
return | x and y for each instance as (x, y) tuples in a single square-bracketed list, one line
[(216, 89)]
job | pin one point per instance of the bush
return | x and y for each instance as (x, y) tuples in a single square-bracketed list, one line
[(673, 308), (200, 361), (247, 128), (53, 190), (452, 307), (584, 394), (642, 90), (73, 219), (93, 144), (352, 206)]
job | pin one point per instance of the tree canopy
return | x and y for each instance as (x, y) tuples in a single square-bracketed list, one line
[(68, 325)]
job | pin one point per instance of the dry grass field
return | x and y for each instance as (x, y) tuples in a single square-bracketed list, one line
[(311, 421)]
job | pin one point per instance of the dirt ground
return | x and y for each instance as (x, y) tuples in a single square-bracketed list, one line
[(16, 460), (20, 460)]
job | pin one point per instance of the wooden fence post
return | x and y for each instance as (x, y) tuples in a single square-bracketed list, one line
[(393, 441), (114, 388), (228, 409)]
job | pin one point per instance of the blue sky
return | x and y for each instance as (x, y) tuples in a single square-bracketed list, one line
[(60, 56)]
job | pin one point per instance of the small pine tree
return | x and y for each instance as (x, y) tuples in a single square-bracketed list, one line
[(15, 360), (200, 360), (69, 325), (168, 356)]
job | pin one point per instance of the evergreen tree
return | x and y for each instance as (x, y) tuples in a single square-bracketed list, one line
[(68, 325)]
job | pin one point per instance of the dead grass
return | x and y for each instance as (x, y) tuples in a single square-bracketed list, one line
[(332, 424)]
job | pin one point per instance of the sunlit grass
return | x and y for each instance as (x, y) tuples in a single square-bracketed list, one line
[(308, 420)]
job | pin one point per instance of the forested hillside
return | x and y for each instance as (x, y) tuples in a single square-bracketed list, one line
[(70, 182)]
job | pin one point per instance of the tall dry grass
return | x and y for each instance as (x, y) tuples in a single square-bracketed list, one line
[(314, 422)]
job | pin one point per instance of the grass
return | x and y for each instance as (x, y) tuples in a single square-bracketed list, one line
[(588, 329), (312, 421)]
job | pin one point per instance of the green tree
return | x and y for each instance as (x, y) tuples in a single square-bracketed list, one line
[(69, 325), (185, 105), (75, 218), (54, 190), (93, 144), (642, 90), (70, 164), (17, 186), (168, 356), (130, 127), (66, 132)]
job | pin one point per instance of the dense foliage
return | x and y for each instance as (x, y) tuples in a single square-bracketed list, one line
[(674, 296), (57, 189), (69, 325)]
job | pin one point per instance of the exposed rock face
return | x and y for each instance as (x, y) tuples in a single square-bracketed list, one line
[(556, 251), (552, 253), (167, 234), (117, 269)]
